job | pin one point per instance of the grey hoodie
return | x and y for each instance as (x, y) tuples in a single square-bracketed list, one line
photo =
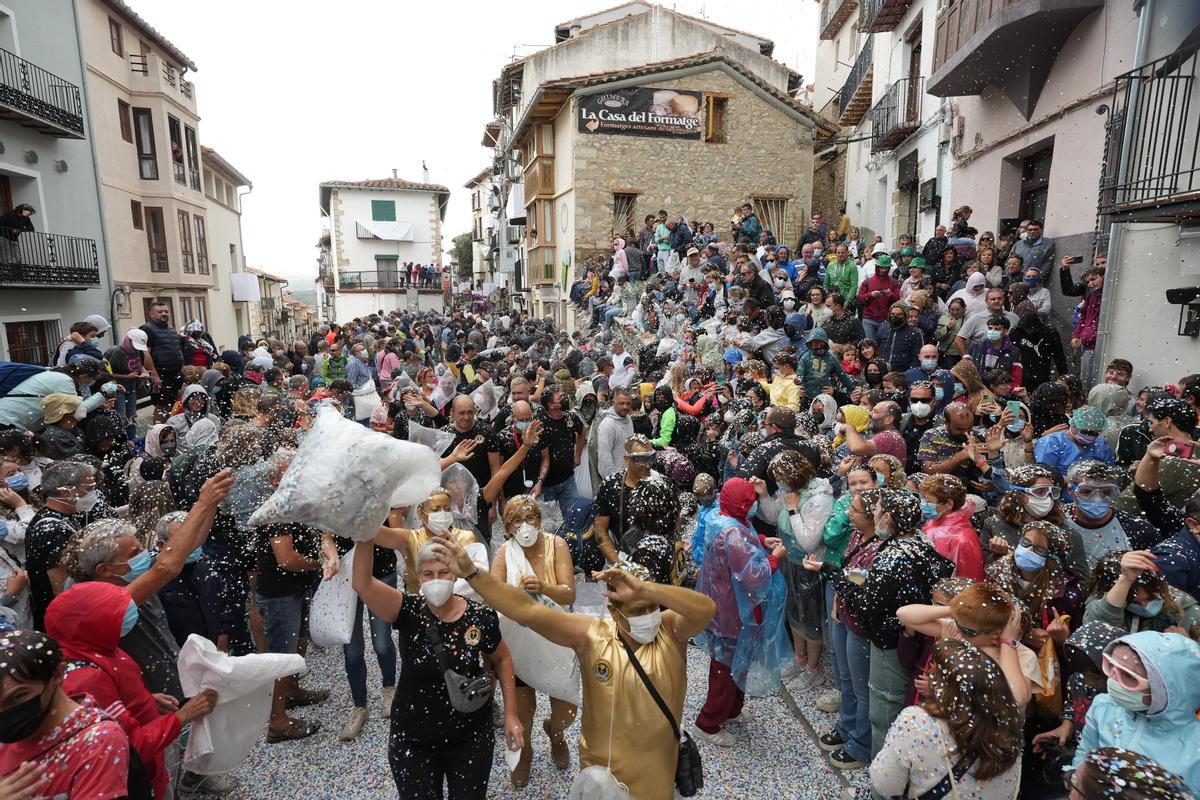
[(183, 421), (606, 444)]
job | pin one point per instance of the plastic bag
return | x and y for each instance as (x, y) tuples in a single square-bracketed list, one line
[(221, 741), (1050, 698), (331, 615), (597, 783), (547, 667), (437, 441), (345, 479)]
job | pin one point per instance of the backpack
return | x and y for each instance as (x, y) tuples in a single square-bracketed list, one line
[(13, 374), (579, 535)]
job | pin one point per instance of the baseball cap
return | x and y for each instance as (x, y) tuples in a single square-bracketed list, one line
[(691, 250), (138, 338), (100, 322)]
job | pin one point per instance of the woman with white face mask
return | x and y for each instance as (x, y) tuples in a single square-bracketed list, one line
[(442, 711), (1033, 496), (437, 520), (541, 565)]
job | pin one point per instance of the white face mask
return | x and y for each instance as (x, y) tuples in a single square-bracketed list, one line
[(728, 417), (437, 591), (920, 410), (439, 521), (87, 502), (526, 535), (1038, 507), (644, 627)]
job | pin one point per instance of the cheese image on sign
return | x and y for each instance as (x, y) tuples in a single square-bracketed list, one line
[(643, 111)]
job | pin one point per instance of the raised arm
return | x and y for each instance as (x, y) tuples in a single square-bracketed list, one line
[(688, 612), (924, 619), (491, 492), (383, 600)]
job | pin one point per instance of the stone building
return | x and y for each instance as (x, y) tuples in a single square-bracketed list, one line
[(708, 121)]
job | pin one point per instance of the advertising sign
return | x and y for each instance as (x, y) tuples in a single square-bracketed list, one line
[(643, 111)]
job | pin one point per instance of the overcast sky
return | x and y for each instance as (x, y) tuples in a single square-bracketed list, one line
[(295, 93)]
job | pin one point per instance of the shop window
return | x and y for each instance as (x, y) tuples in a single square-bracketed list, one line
[(715, 110)]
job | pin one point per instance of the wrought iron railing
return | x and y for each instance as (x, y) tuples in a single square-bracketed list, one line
[(868, 10), (831, 12), (387, 279), (1154, 135), (897, 114), (33, 91), (861, 65), (47, 259)]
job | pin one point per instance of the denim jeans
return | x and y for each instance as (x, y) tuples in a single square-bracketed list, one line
[(855, 723), (283, 619), (355, 651), (611, 314), (127, 410), (565, 494), (872, 329), (888, 681)]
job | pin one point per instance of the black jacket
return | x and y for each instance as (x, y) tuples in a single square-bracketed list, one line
[(757, 463), (760, 292), (12, 225)]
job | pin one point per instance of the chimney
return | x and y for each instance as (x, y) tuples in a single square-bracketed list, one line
[(394, 175), (424, 172)]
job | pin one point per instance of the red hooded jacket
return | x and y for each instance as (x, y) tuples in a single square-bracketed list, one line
[(86, 621)]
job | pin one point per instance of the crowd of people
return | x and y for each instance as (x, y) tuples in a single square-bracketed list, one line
[(866, 461)]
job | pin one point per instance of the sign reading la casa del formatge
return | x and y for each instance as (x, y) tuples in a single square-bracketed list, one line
[(643, 111)]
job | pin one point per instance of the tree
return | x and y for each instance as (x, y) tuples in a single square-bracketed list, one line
[(463, 252)]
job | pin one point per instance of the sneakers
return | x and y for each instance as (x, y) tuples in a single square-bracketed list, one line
[(790, 671), (829, 702), (721, 738), (354, 726), (741, 719), (840, 759), (192, 783), (808, 679), (389, 694), (831, 742)]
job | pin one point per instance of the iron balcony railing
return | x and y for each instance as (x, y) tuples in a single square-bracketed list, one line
[(47, 260), (833, 16), (1154, 136), (38, 98), (897, 114), (386, 279), (858, 72)]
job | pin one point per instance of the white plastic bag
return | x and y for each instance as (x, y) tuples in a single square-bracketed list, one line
[(331, 615), (435, 440), (597, 783), (547, 667), (345, 479), (221, 741)]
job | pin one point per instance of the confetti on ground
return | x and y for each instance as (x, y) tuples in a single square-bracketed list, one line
[(777, 758)]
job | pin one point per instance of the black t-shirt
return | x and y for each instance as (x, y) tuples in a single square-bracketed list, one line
[(559, 435), (422, 709), (274, 580), (612, 501), (47, 534), (522, 480), (385, 557)]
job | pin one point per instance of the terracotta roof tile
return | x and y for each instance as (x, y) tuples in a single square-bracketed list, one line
[(385, 183)]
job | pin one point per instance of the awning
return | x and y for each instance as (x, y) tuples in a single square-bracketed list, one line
[(245, 287), (389, 231), (515, 210)]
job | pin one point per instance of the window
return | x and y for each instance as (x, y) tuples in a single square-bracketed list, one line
[(185, 308), (547, 221), (233, 260), (201, 312), (715, 108), (135, 210), (545, 139), (175, 133), (383, 210), (624, 214), (115, 39), (143, 126), (185, 242), (548, 263), (1035, 183), (126, 128), (193, 156), (33, 342), (156, 238), (201, 244)]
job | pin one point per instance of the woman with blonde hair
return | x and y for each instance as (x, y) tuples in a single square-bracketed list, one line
[(539, 563)]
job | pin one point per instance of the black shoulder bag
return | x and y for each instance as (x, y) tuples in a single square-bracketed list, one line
[(466, 694), (689, 772)]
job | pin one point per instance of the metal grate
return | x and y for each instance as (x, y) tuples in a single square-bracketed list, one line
[(33, 91), (50, 260)]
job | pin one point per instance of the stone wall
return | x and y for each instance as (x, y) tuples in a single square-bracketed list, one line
[(767, 152)]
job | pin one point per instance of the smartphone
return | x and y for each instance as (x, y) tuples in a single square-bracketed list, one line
[(1013, 407), (1181, 448), (720, 380), (1074, 259)]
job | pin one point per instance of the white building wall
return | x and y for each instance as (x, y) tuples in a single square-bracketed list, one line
[(359, 254), (835, 59), (223, 231), (359, 304), (67, 203)]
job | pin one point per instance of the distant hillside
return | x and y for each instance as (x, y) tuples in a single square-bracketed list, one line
[(307, 296)]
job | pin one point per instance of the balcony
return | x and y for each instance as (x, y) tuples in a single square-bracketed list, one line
[(383, 279), (49, 261), (152, 75), (881, 16), (1009, 44), (1151, 170), (39, 99), (856, 91), (897, 115), (834, 14)]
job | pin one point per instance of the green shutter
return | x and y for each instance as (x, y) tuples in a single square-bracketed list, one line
[(383, 210)]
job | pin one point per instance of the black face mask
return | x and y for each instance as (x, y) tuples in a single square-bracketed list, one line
[(874, 378), (818, 417), (896, 322), (20, 721)]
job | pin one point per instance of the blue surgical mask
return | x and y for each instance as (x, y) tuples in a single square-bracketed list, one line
[(521, 424), (1151, 609), (130, 619), (194, 556), (137, 566), (928, 509), (938, 393), (3, 529), (994, 336), (1031, 282), (18, 481), (1028, 560), (880, 478), (1126, 698), (958, 389), (929, 364), (1094, 509), (1016, 427)]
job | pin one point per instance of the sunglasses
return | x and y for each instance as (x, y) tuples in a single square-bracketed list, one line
[(644, 459), (967, 633), (1040, 492), (1096, 493), (1123, 674), (1028, 545)]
